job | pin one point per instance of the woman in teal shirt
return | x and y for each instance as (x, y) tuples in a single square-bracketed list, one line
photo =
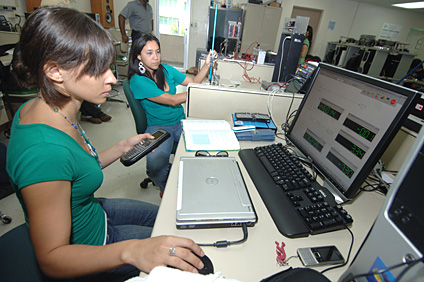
[(55, 170), (155, 85)]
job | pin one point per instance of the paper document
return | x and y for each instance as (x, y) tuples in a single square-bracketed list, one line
[(209, 135)]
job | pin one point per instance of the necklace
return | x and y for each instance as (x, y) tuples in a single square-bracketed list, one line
[(80, 130)]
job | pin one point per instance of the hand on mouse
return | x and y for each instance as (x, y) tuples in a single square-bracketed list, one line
[(181, 253)]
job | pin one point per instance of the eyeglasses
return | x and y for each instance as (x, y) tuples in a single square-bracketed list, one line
[(203, 153)]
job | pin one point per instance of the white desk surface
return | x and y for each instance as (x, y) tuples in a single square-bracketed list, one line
[(255, 259)]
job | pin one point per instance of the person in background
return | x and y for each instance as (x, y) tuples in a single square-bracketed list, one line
[(93, 113), (306, 44), (418, 71), (154, 84), (140, 15), (55, 170)]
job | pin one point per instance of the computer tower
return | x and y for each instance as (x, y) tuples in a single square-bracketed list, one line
[(396, 238), (287, 58)]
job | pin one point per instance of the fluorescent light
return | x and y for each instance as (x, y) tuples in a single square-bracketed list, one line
[(412, 5)]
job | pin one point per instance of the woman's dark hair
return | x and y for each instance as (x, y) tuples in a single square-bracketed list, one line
[(310, 34), (67, 38), (137, 45)]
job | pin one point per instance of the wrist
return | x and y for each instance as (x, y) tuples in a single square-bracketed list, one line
[(126, 256)]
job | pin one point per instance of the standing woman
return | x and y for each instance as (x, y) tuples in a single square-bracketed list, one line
[(306, 44), (55, 170), (154, 84)]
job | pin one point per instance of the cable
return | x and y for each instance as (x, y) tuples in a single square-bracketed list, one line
[(348, 255), (410, 265), (282, 56), (410, 72), (381, 271), (225, 243)]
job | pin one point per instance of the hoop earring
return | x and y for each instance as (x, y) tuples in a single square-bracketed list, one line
[(141, 68)]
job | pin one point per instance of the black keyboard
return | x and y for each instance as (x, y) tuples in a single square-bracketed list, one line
[(298, 205)]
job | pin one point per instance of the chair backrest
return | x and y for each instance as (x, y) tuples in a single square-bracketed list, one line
[(137, 109), (17, 257)]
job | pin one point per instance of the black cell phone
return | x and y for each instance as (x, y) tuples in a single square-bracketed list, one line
[(244, 116), (144, 147), (320, 255)]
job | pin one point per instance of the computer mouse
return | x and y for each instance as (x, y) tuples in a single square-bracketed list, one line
[(208, 266)]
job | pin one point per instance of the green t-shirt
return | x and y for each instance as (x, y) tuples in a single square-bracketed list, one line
[(159, 114), (39, 153), (305, 42)]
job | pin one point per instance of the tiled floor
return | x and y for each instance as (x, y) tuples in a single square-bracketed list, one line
[(119, 181)]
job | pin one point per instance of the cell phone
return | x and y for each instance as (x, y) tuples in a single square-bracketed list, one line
[(144, 147), (320, 255)]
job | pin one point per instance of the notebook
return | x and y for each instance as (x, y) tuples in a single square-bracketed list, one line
[(212, 193)]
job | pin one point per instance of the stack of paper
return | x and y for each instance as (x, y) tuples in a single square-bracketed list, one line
[(209, 135)]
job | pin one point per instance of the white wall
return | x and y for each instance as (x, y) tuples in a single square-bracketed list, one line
[(351, 17), (354, 19)]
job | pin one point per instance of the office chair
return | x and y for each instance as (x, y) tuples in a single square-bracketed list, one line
[(140, 120), (17, 257)]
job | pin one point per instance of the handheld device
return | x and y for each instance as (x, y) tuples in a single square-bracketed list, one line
[(320, 255), (144, 147)]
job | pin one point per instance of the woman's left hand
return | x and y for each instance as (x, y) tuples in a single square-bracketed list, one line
[(115, 152), (132, 141)]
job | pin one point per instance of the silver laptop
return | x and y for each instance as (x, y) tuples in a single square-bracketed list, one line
[(212, 193)]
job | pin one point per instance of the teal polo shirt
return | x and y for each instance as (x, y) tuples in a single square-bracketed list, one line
[(159, 114)]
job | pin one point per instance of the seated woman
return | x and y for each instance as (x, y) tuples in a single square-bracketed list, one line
[(55, 170), (154, 84)]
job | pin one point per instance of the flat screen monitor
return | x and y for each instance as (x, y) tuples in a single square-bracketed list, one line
[(345, 123)]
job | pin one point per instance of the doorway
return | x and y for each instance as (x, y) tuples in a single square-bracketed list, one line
[(173, 24), (314, 19)]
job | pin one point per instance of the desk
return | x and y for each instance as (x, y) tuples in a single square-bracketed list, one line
[(256, 258)]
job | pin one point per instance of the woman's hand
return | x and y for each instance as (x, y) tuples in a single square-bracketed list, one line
[(208, 57), (115, 152), (132, 141), (148, 253)]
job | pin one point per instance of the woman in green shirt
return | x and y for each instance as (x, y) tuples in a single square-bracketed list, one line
[(155, 85), (55, 170)]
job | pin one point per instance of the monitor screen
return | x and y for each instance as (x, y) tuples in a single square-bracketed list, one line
[(345, 122)]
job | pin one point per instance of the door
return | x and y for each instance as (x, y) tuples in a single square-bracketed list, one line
[(314, 19), (173, 22)]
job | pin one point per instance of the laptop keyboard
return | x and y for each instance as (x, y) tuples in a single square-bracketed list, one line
[(298, 205)]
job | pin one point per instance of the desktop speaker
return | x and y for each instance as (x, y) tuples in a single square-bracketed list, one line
[(105, 9)]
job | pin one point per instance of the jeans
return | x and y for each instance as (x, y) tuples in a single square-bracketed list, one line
[(158, 161), (90, 109), (126, 219)]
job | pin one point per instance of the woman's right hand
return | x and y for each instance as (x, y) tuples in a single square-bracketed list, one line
[(148, 253)]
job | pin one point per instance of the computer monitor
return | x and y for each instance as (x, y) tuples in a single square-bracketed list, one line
[(345, 123)]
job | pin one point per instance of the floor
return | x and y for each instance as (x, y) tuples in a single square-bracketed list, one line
[(119, 181)]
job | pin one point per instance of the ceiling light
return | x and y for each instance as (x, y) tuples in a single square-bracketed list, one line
[(412, 5)]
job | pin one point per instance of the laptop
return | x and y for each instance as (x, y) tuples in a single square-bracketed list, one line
[(212, 194)]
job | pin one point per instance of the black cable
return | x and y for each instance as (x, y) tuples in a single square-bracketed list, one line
[(410, 265), (348, 255), (381, 271), (225, 243)]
